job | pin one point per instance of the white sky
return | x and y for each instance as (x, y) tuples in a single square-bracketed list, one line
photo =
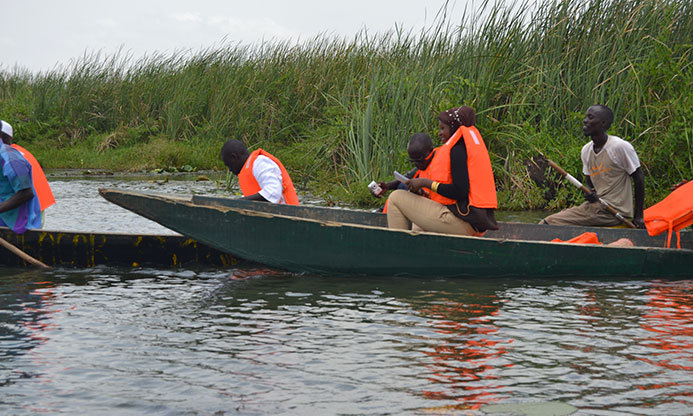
[(40, 34)]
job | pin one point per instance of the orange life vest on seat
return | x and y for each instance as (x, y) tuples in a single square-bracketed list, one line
[(41, 187), (249, 185), (584, 238), (482, 187), (671, 214)]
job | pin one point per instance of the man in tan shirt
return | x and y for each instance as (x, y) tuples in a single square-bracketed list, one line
[(611, 167)]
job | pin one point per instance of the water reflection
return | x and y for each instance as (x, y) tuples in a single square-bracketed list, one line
[(668, 320), (467, 357), (258, 341), (26, 309)]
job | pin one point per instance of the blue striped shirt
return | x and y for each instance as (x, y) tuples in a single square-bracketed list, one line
[(16, 175)]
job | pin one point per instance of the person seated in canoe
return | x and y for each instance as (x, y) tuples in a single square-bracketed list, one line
[(19, 207), (261, 176), (611, 167), (420, 151), (41, 187), (459, 181)]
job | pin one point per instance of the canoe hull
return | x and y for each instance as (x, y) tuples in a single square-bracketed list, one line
[(78, 249), (309, 245)]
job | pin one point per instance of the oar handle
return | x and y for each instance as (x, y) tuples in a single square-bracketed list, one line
[(616, 214), (557, 168), (569, 177), (587, 190)]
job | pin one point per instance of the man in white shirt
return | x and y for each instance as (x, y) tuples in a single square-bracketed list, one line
[(261, 176), (611, 167)]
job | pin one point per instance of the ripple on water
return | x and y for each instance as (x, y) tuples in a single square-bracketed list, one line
[(143, 341)]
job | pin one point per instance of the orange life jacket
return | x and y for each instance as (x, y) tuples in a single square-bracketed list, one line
[(584, 238), (41, 187), (482, 187), (671, 214), (249, 185)]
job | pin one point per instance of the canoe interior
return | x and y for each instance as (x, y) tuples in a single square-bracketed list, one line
[(507, 230), (78, 249)]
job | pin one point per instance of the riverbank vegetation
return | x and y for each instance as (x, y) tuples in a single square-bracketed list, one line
[(339, 112)]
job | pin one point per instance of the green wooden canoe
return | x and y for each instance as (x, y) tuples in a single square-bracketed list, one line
[(337, 241)]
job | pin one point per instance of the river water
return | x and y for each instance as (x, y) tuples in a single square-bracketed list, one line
[(251, 341)]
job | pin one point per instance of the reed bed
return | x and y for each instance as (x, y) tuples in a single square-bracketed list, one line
[(339, 112)]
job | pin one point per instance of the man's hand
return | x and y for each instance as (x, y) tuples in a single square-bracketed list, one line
[(384, 187), (639, 222), (415, 185), (255, 197), (673, 187), (592, 196)]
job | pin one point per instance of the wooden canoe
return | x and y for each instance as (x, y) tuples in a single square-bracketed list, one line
[(337, 241), (83, 249)]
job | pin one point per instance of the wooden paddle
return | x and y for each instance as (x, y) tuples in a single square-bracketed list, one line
[(587, 190), (22, 254)]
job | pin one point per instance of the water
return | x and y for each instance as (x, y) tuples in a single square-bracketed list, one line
[(123, 341), (79, 207)]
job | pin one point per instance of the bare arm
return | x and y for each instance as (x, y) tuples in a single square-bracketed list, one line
[(639, 182), (17, 199), (592, 196), (255, 197)]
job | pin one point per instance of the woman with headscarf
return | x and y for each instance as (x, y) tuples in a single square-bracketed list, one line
[(459, 182)]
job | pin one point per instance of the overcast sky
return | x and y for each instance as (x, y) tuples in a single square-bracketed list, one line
[(40, 34)]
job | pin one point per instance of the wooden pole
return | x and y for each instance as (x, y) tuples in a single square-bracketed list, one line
[(22, 254), (587, 190)]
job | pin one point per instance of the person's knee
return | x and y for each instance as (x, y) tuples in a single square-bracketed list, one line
[(397, 196), (548, 220)]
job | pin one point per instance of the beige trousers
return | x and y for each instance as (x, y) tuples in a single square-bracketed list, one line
[(406, 210), (591, 214)]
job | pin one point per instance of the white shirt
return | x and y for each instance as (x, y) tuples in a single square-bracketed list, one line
[(620, 152), (269, 177), (610, 170)]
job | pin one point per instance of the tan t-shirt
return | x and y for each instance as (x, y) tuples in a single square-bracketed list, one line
[(610, 171)]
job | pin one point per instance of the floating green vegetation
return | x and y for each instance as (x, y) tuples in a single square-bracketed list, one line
[(339, 112)]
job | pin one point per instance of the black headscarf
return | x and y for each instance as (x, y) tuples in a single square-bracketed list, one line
[(458, 116)]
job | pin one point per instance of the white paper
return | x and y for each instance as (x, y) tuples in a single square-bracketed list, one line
[(401, 177)]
